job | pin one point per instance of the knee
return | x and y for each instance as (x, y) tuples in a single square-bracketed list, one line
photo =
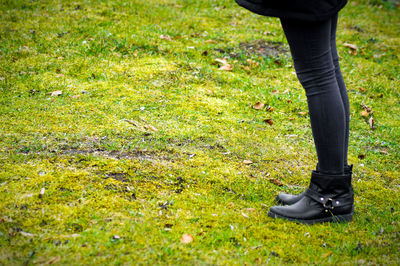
[(317, 78)]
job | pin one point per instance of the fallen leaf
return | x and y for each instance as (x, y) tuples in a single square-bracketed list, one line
[(269, 121), (384, 151), (362, 89), (132, 122), (366, 108), (364, 113), (186, 239), (226, 68), (151, 127), (210, 41), (327, 254), (222, 61), (231, 204), (26, 234), (41, 194), (247, 162), (371, 122), (56, 93), (209, 92), (53, 260), (250, 210), (361, 156), (270, 109), (245, 215), (302, 113), (165, 37), (258, 106), (351, 46), (276, 182)]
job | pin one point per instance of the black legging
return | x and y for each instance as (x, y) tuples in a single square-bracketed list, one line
[(313, 48)]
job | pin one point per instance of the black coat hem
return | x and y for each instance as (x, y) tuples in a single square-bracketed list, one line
[(288, 14)]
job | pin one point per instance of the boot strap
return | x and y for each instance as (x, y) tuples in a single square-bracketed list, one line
[(330, 202)]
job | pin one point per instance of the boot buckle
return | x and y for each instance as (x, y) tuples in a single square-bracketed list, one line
[(329, 204)]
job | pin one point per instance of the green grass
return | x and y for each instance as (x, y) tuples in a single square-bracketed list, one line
[(156, 115)]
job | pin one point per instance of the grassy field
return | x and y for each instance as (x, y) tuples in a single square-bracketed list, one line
[(125, 125)]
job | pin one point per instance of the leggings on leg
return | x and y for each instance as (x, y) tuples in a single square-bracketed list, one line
[(342, 86), (313, 49)]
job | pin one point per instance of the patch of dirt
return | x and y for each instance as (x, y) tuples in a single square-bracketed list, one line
[(263, 48), (141, 155), (117, 176)]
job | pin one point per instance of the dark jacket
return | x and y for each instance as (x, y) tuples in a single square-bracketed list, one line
[(311, 10)]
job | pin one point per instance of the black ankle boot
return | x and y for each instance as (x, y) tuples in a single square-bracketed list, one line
[(288, 199), (329, 198)]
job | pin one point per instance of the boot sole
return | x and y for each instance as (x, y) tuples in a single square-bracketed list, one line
[(343, 218)]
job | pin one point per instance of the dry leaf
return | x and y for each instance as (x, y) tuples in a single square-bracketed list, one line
[(53, 260), (302, 113), (226, 68), (210, 41), (222, 61), (231, 204), (245, 215), (165, 37), (361, 156), (151, 128), (384, 152), (270, 108), (41, 194), (250, 210), (186, 239), (56, 93), (209, 92), (362, 89), (364, 113), (327, 254), (276, 182), (26, 234), (269, 121), (247, 162), (258, 106), (351, 46), (366, 108), (132, 122), (371, 122)]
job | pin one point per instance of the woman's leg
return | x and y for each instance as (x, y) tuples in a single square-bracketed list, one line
[(310, 45), (342, 86)]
